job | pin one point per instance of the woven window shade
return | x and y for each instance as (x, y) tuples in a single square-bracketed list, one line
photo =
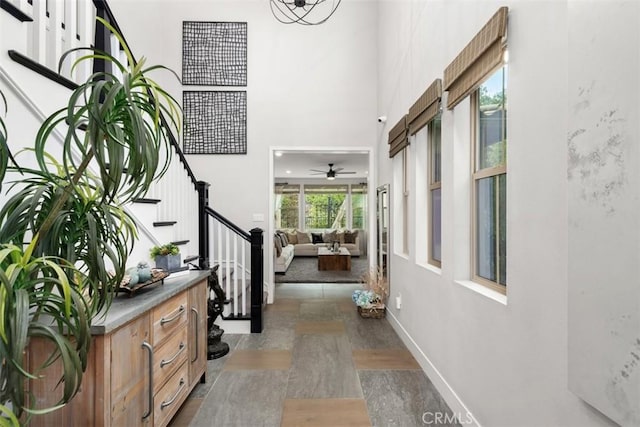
[(425, 108), (398, 137), (477, 60)]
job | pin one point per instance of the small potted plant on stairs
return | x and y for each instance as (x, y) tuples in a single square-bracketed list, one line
[(167, 257)]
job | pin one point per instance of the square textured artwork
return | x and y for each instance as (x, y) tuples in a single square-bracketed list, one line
[(214, 53), (215, 122)]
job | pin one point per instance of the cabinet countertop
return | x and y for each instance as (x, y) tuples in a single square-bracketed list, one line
[(125, 308)]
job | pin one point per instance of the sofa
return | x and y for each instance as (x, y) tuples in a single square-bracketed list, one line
[(292, 243)]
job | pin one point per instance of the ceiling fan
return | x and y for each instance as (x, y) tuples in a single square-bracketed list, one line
[(331, 173)]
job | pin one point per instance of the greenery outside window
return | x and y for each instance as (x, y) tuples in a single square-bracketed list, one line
[(489, 111), (359, 206), (287, 206), (435, 195), (325, 206)]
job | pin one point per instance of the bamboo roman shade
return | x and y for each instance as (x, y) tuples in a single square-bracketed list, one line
[(398, 137), (425, 108), (479, 58)]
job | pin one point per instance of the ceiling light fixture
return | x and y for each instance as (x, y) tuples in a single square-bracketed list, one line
[(303, 12)]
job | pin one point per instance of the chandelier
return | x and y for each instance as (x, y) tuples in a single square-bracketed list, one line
[(304, 12)]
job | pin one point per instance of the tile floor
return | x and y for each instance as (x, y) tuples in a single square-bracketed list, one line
[(317, 363)]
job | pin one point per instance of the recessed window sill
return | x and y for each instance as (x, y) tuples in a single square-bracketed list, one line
[(402, 255), (432, 268), (484, 291)]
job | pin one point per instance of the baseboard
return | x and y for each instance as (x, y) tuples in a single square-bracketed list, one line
[(463, 414), (234, 326)]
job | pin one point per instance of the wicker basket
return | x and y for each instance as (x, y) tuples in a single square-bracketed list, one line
[(372, 313)]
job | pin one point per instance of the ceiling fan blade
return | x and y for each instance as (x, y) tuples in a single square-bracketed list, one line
[(318, 173), (337, 169), (316, 170), (345, 173)]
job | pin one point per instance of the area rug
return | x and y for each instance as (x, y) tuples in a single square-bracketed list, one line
[(305, 270)]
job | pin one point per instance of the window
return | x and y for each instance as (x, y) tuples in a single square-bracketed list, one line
[(435, 198), (490, 181), (325, 206), (287, 205), (359, 206)]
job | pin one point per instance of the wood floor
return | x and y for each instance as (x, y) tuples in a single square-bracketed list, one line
[(316, 364)]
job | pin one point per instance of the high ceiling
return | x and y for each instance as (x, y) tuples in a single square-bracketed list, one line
[(300, 164)]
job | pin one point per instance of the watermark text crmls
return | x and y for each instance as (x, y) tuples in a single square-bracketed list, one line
[(446, 418)]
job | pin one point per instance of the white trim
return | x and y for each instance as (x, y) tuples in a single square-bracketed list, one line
[(484, 291), (431, 268), (446, 391), (234, 326)]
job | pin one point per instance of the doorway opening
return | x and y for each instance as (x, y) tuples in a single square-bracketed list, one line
[(322, 216)]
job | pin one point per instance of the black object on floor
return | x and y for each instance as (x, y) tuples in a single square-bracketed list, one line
[(215, 347)]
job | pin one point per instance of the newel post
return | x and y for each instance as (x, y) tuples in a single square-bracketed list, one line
[(203, 224), (257, 265)]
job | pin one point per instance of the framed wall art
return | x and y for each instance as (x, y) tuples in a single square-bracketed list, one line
[(214, 53), (215, 122)]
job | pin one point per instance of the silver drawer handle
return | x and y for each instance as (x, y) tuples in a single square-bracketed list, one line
[(167, 362), (164, 320), (197, 323), (175, 396), (150, 350)]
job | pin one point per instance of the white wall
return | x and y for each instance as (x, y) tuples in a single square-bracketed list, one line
[(503, 359), (307, 87), (604, 226)]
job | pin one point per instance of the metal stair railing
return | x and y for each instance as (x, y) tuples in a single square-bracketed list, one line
[(225, 244)]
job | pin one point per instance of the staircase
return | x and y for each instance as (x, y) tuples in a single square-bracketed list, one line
[(176, 209)]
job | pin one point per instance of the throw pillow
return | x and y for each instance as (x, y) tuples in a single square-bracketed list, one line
[(278, 245), (329, 237), (316, 238), (283, 238), (340, 237), (350, 236), (292, 238), (303, 237)]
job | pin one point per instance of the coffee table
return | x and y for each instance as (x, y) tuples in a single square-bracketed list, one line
[(328, 260)]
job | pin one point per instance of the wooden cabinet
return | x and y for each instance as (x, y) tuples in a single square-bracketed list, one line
[(131, 353), (139, 373), (197, 333)]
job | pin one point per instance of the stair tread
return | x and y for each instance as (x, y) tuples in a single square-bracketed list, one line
[(183, 242), (146, 200), (15, 12), (164, 223)]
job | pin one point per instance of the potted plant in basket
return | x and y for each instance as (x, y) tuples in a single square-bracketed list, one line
[(167, 256), (372, 298)]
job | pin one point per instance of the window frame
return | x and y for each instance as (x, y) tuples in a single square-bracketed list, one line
[(476, 176), (405, 201), (283, 192), (315, 189), (433, 185)]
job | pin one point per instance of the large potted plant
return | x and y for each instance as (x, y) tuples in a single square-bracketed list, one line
[(70, 211)]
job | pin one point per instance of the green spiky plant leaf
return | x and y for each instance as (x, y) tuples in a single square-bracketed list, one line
[(70, 209)]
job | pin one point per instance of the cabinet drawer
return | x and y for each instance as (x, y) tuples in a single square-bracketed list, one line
[(169, 357), (168, 400), (169, 317)]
